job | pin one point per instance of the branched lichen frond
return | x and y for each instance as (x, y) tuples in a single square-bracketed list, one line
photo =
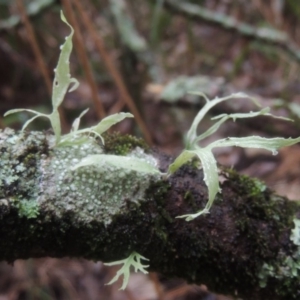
[(61, 83), (205, 154), (133, 260)]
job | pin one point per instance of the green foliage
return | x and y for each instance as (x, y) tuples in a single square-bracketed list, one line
[(119, 144), (205, 155), (78, 140), (98, 129), (98, 163), (133, 260), (128, 163), (61, 83), (28, 208)]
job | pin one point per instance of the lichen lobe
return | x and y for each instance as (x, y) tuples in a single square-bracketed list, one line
[(91, 192)]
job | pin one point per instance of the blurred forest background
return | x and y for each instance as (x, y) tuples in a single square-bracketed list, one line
[(144, 57)]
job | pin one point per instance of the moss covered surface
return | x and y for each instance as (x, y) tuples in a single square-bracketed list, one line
[(247, 227), (240, 247), (118, 144), (65, 212)]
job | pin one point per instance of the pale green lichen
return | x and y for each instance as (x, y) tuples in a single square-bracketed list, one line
[(90, 191), (134, 261), (30, 177), (286, 266), (78, 179), (19, 170), (61, 85), (140, 153), (295, 236), (205, 154)]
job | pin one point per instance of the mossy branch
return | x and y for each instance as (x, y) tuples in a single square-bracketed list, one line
[(247, 245)]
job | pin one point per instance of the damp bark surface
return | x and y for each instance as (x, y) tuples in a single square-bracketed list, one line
[(248, 245)]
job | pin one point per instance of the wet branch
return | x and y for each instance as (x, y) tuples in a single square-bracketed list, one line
[(244, 247)]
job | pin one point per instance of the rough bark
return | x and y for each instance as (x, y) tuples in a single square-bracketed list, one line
[(246, 246)]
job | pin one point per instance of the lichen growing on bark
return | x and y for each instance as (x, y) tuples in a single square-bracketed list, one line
[(84, 193), (90, 191), (20, 169), (286, 267), (243, 242)]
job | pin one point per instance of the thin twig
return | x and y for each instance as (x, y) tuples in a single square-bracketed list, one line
[(113, 70), (34, 45), (82, 55), (118, 106), (177, 292)]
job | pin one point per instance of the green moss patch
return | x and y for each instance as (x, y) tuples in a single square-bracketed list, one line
[(118, 144)]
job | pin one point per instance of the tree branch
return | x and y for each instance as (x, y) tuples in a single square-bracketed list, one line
[(264, 35), (246, 246)]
